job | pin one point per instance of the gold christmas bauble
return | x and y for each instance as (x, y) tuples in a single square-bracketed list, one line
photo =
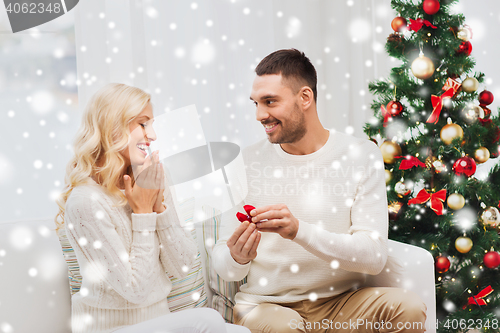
[(388, 176), (390, 150), (470, 84), (463, 244), (450, 132), (491, 217), (455, 201), (422, 67), (481, 155), (464, 34), (472, 113)]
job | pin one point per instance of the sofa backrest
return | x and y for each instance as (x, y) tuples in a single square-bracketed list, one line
[(34, 287)]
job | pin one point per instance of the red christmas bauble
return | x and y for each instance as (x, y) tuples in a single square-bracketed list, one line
[(398, 24), (431, 7), (394, 108), (464, 166), (492, 259), (442, 264), (486, 98), (465, 48)]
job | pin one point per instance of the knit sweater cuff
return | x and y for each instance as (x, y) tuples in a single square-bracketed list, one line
[(168, 217), (304, 234), (144, 222)]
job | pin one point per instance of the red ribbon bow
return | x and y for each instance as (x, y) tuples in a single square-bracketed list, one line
[(417, 24), (242, 217), (437, 200), (478, 299), (437, 104), (409, 162), (387, 115)]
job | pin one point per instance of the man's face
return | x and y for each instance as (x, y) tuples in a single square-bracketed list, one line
[(278, 109)]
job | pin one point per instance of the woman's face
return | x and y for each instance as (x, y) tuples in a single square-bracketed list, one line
[(141, 134)]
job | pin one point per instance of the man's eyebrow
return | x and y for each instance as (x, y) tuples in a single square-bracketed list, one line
[(265, 97)]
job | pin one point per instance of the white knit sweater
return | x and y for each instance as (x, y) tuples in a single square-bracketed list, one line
[(338, 194), (123, 259)]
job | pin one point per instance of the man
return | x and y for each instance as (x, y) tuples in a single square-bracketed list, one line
[(320, 222)]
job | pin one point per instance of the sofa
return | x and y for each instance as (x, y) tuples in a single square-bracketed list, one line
[(35, 293)]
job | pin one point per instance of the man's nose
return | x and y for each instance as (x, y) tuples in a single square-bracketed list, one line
[(261, 114)]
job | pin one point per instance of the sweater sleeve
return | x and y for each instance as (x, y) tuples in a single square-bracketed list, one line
[(364, 248), (178, 250), (224, 264), (101, 253)]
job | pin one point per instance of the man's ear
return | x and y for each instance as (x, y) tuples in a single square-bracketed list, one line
[(306, 97)]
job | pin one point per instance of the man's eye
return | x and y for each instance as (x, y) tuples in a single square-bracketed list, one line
[(270, 102), (254, 103)]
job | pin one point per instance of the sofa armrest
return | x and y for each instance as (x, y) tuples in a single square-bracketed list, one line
[(411, 268)]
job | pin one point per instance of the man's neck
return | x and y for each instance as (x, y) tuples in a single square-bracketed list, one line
[(312, 141)]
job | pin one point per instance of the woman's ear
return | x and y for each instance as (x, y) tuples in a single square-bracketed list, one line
[(306, 97)]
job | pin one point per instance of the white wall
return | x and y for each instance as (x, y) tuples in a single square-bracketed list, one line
[(142, 37)]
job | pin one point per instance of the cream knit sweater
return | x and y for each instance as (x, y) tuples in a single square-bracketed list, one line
[(338, 194), (123, 259)]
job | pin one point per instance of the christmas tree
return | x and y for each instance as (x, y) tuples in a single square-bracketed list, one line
[(433, 125)]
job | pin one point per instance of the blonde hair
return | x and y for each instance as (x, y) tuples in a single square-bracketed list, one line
[(104, 132)]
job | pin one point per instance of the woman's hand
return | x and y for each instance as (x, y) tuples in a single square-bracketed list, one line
[(158, 206), (143, 196)]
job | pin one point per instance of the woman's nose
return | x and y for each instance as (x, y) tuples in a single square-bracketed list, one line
[(151, 133)]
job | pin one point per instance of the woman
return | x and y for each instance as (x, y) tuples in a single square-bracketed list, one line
[(124, 236)]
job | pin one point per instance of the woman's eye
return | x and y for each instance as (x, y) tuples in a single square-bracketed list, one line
[(143, 125)]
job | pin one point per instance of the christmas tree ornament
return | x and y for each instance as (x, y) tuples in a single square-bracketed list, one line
[(478, 299), (455, 201), (388, 176), (481, 155), (465, 48), (399, 24), (245, 217), (431, 7), (416, 25), (486, 98), (487, 112), (449, 132), (490, 217), (464, 34), (470, 84), (452, 84), (394, 107), (437, 104), (429, 160), (402, 189), (390, 150), (395, 209), (410, 162), (491, 259), (464, 166), (437, 200), (439, 166), (442, 264), (463, 244), (394, 38), (422, 67), (471, 113)]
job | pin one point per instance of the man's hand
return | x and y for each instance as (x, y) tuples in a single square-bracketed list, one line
[(243, 243), (279, 220)]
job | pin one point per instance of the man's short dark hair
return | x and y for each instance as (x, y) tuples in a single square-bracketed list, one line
[(293, 65)]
